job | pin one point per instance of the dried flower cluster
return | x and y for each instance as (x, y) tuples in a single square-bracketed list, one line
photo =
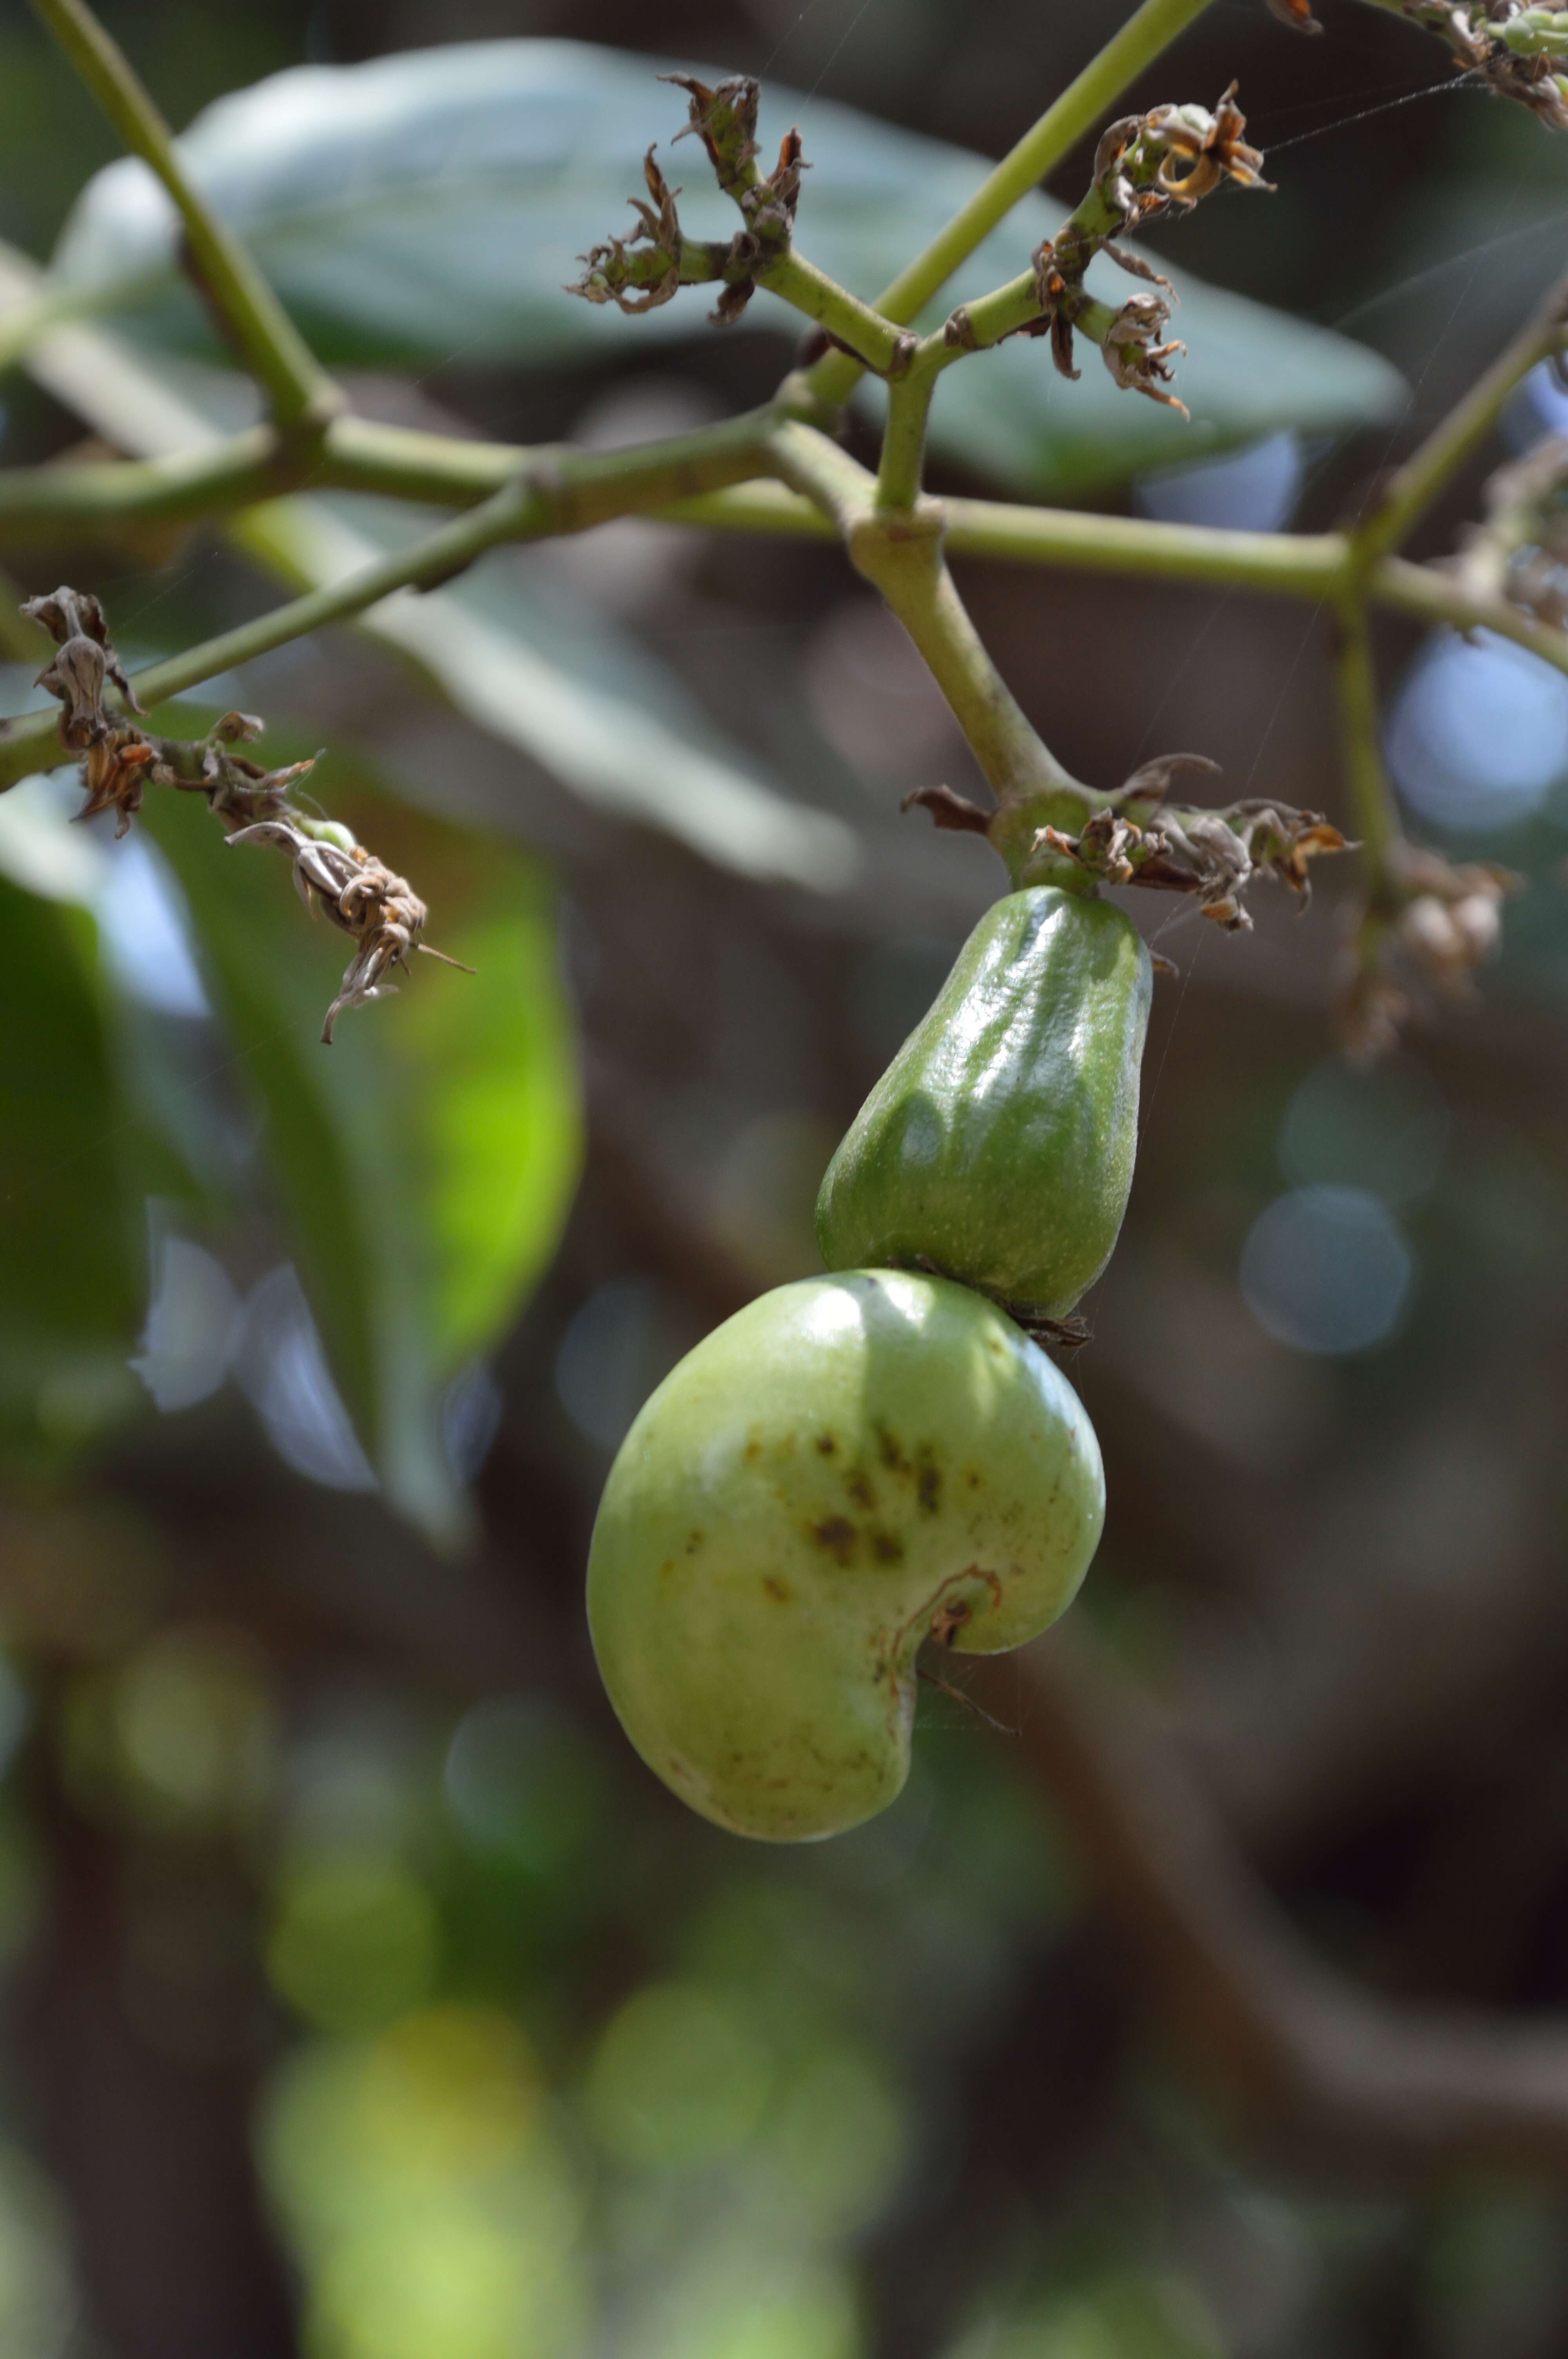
[(1212, 853), (1145, 165), (1521, 552), (1521, 52), (1435, 922), (646, 269), (358, 892), (121, 760), (1175, 848)]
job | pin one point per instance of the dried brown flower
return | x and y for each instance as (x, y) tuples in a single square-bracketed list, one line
[(362, 896), (639, 273), (1137, 361), (1211, 146), (86, 661)]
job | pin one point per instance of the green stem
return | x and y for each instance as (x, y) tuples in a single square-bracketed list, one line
[(902, 556), (359, 455), (299, 390), (903, 440), (563, 492), (1417, 484), (1435, 597), (1371, 799), (876, 341), (100, 497), (900, 550), (1288, 565), (1150, 29)]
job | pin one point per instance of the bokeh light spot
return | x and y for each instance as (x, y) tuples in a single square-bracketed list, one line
[(1326, 1270), (354, 1941), (679, 2078), (427, 2193), (1478, 735)]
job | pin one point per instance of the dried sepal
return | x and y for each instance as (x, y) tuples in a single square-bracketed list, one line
[(1212, 855), (639, 273), (360, 895), (1297, 13), (1212, 146), (953, 812), (85, 662), (1136, 360), (1125, 259), (1153, 780), (769, 205), (1058, 298), (115, 769), (725, 119)]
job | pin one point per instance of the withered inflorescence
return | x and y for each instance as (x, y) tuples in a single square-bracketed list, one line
[(120, 760)]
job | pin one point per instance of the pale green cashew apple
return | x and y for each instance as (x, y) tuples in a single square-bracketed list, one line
[(846, 1468)]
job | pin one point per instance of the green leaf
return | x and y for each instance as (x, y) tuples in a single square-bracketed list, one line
[(432, 203), (426, 1162), (70, 1218), (542, 668)]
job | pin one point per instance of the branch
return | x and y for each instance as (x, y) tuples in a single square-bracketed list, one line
[(1519, 52), (1371, 799), (563, 492), (1414, 487), (1434, 596), (1342, 2078), (1152, 29), (1287, 565), (299, 390), (901, 552), (1144, 167)]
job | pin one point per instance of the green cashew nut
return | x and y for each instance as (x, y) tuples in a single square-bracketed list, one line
[(846, 1467), (998, 1147)]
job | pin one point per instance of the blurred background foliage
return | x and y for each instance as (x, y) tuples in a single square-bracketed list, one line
[(362, 1995)]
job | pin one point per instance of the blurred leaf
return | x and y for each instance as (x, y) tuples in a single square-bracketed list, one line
[(530, 663), (426, 1162), (541, 668), (431, 204), (71, 1296)]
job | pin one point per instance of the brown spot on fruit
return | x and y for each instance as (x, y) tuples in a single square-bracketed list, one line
[(836, 1535), (888, 1452), (827, 1444), (927, 1480), (694, 1539), (886, 1547), (777, 1588), (753, 1449), (860, 1487)]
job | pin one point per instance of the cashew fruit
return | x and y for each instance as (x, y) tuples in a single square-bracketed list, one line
[(998, 1146), (846, 1467)]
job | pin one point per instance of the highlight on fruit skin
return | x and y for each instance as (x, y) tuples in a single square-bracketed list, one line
[(999, 1146), (850, 1465)]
